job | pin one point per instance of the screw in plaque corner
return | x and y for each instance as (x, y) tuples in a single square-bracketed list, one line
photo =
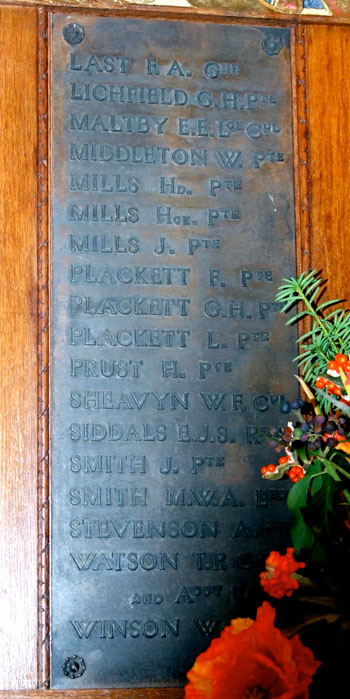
[(73, 33), (272, 45), (73, 667)]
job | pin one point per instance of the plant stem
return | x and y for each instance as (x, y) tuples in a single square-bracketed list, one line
[(339, 468), (346, 495), (333, 463), (317, 318)]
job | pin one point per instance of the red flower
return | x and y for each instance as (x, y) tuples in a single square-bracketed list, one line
[(276, 579), (252, 660)]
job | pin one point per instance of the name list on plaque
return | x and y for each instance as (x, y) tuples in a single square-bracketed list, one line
[(172, 226)]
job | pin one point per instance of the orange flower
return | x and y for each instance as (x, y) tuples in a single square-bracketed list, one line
[(345, 446), (252, 660), (276, 579)]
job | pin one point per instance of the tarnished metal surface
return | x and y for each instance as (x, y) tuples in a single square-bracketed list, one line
[(173, 223)]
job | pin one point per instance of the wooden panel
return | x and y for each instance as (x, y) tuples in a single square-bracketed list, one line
[(43, 491), (328, 105), (337, 12), (98, 694), (328, 77), (18, 417), (301, 150)]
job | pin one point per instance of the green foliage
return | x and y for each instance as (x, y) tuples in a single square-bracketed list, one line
[(329, 334), (319, 499), (302, 535), (333, 401), (314, 504)]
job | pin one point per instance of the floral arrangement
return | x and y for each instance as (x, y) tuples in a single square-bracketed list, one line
[(254, 659)]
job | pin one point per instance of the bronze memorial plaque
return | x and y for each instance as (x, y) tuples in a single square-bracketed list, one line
[(172, 226)]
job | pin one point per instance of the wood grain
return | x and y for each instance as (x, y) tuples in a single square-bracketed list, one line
[(43, 492), (328, 78), (236, 11), (18, 347), (238, 8), (301, 152), (154, 693), (323, 102)]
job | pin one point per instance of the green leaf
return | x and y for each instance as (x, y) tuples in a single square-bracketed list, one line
[(328, 303), (302, 455), (331, 315), (332, 471), (331, 399), (288, 305), (316, 484), (319, 554), (301, 533), (312, 298), (341, 458), (303, 337), (296, 317), (323, 518)]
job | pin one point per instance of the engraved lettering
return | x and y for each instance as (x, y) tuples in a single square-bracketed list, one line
[(206, 627), (105, 213), (114, 432), (147, 598), (201, 497), (124, 561), (94, 368), (90, 528), (118, 124), (129, 305), (145, 155), (102, 243), (108, 400), (103, 183), (108, 463), (100, 64), (172, 221), (209, 561), (129, 275), (122, 94), (129, 338), (190, 594), (110, 629)]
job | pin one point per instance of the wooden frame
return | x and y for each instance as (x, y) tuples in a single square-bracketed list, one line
[(279, 10), (322, 183)]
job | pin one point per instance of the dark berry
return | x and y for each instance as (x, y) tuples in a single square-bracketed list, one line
[(329, 427), (304, 438), (330, 442), (305, 427), (307, 409), (285, 407), (320, 419), (341, 431), (295, 405)]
